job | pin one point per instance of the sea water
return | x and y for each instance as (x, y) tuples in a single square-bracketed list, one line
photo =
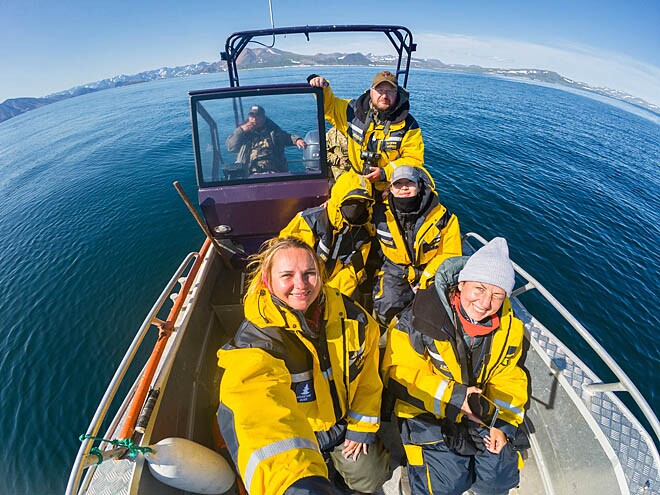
[(91, 228)]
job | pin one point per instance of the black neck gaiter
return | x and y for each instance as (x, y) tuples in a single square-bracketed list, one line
[(355, 213), (407, 205)]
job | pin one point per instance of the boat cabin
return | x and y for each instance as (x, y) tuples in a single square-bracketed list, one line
[(251, 183)]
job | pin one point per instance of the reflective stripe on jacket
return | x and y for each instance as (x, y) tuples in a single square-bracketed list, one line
[(399, 142), (422, 370), (281, 390), (343, 248)]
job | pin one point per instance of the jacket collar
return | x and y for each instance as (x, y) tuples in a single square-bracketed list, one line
[(394, 115), (265, 310), (430, 318)]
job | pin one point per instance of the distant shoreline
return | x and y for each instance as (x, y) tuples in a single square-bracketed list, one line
[(272, 59)]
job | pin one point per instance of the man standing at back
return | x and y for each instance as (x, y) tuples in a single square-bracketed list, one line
[(380, 130)]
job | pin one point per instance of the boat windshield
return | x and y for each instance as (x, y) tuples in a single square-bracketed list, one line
[(258, 135)]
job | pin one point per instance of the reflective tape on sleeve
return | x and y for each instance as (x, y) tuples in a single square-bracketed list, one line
[(437, 402), (364, 419), (273, 449)]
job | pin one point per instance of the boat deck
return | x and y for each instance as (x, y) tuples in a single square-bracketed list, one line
[(569, 453)]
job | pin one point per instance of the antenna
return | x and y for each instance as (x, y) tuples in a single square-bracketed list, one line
[(270, 8), (272, 25)]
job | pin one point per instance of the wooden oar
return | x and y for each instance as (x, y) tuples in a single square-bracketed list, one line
[(225, 252)]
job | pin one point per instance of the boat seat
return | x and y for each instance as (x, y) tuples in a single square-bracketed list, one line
[(229, 316)]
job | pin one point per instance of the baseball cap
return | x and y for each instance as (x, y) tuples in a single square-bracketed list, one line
[(385, 77), (405, 172), (256, 110)]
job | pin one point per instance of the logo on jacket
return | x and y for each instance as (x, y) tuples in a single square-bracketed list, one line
[(305, 391)]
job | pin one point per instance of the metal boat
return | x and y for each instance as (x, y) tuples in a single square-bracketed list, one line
[(583, 437)]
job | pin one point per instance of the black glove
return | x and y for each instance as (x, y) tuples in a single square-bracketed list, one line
[(311, 76), (462, 438), (477, 434)]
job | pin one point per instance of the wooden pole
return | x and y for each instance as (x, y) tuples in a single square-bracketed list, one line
[(225, 252)]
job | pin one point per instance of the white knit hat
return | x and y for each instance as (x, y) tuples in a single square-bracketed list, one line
[(490, 264)]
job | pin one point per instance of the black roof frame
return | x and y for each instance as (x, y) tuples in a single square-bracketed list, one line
[(400, 37)]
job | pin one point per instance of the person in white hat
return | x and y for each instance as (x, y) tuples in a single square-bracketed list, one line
[(451, 365), (259, 143), (415, 233)]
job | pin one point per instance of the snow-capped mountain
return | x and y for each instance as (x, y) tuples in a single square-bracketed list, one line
[(272, 57)]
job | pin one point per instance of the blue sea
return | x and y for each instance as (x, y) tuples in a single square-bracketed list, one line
[(91, 229)]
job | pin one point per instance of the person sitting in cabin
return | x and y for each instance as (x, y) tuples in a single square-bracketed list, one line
[(299, 381), (415, 234), (340, 232), (381, 131), (451, 363), (260, 143)]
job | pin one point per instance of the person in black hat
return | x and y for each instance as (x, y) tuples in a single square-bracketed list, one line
[(380, 130), (260, 143), (341, 232)]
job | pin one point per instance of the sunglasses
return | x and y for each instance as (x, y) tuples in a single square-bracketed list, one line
[(383, 91)]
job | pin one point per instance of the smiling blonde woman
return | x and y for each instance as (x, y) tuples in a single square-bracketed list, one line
[(300, 381)]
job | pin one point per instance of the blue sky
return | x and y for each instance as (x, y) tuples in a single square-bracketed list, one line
[(47, 47)]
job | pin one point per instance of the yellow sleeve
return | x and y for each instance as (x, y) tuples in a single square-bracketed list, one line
[(270, 439), (450, 246), (299, 228), (347, 278), (335, 110), (364, 409), (507, 387), (410, 378)]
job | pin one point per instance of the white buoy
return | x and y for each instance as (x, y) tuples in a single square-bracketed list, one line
[(189, 466)]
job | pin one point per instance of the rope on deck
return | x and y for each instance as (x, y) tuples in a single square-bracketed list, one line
[(126, 443)]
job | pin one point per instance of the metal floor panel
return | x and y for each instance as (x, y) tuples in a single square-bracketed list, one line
[(620, 429), (112, 478)]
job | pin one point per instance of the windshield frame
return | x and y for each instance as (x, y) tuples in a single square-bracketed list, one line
[(237, 94)]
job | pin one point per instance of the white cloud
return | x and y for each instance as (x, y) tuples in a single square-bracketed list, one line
[(580, 63)]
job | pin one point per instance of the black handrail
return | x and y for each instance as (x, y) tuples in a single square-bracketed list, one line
[(400, 37)]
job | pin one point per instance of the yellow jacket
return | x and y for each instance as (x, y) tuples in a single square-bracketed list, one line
[(422, 369), (397, 138), (343, 248), (436, 235), (283, 393)]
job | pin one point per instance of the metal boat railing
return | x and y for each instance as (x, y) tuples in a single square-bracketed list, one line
[(102, 410), (624, 384)]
